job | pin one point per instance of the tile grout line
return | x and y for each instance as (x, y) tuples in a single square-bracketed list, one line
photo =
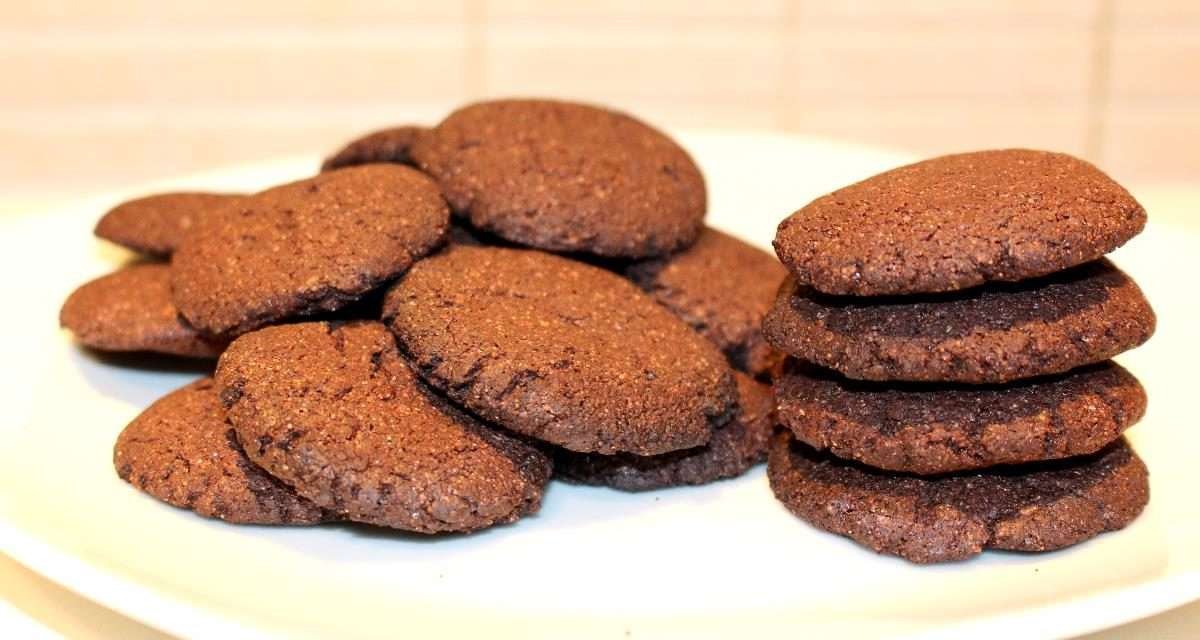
[(1099, 82)]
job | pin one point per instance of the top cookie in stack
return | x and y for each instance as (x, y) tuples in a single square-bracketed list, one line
[(961, 315)]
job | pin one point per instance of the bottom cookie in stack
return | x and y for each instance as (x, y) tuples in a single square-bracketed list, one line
[(939, 472), (1037, 507)]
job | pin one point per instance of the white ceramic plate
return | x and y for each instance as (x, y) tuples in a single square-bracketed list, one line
[(717, 561)]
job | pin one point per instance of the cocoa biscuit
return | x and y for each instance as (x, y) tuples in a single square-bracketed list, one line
[(735, 447), (333, 411), (990, 334), (305, 247), (181, 451), (386, 145), (938, 428), (560, 351), (569, 177), (131, 310), (958, 221), (155, 225), (722, 287), (946, 518)]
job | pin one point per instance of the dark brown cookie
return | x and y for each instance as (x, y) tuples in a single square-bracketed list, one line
[(946, 518), (566, 177), (990, 334), (333, 411), (181, 451), (155, 225), (735, 447), (305, 247), (958, 221), (131, 310), (722, 287), (938, 428), (386, 145), (559, 350)]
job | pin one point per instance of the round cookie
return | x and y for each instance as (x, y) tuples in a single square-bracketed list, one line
[(990, 334), (131, 310), (733, 449), (181, 451), (958, 221), (930, 429), (386, 145), (156, 224), (559, 350), (566, 177), (722, 287), (333, 411), (305, 247), (947, 518)]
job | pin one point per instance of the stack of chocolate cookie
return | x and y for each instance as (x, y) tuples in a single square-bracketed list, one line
[(950, 324), (415, 336)]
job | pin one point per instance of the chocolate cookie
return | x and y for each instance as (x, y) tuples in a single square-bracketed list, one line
[(333, 411), (940, 519), (566, 177), (559, 350), (958, 221), (131, 310), (923, 428), (722, 287), (994, 333), (155, 225), (309, 246), (387, 146), (181, 451), (733, 449)]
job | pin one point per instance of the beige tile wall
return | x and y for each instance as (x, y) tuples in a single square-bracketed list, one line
[(97, 93)]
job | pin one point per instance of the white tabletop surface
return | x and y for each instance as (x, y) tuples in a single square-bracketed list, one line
[(34, 607)]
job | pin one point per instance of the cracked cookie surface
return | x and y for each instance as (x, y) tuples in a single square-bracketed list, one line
[(989, 334), (305, 247), (938, 428), (958, 221), (559, 350), (181, 451), (564, 176), (333, 411), (1038, 507)]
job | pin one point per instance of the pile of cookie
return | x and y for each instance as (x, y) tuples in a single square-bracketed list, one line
[(426, 331), (949, 326), (422, 333)]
